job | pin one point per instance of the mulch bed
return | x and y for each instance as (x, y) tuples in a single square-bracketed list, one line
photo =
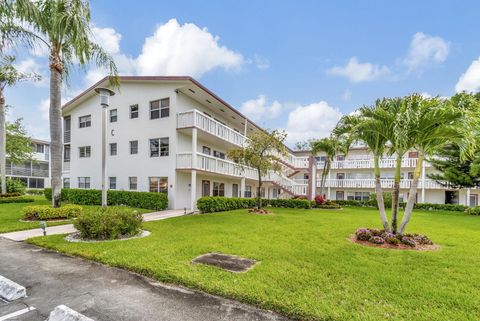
[(75, 238), (261, 211), (425, 247)]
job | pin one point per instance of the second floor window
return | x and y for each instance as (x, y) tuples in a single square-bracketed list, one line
[(133, 111), (66, 182), (160, 108), (159, 147), (113, 115), (84, 151), (134, 147), (85, 121), (218, 154), (40, 148), (113, 149), (112, 182), (84, 182), (132, 183)]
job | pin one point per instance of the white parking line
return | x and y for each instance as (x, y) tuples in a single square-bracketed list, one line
[(17, 313)]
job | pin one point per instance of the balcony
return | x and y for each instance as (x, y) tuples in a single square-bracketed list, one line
[(17, 170), (66, 166), (368, 163), (386, 183), (67, 136), (197, 119), (215, 165)]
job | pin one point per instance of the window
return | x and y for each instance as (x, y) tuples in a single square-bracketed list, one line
[(206, 150), (248, 191), (218, 154), (85, 121), (66, 182), (132, 183), (160, 108), (84, 182), (358, 196), (36, 183), (234, 190), (113, 115), (205, 188), (158, 184), (113, 149), (275, 193), (66, 153), (340, 157), (39, 148), (134, 147), (262, 192), (133, 111), (218, 189), (84, 151), (112, 183), (159, 147), (340, 195)]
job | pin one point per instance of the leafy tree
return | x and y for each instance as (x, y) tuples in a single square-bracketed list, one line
[(64, 28), (263, 152), (19, 145)]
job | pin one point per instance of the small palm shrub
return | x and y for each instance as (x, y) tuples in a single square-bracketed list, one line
[(109, 224)]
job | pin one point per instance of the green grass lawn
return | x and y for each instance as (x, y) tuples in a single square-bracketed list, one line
[(11, 214), (308, 268)]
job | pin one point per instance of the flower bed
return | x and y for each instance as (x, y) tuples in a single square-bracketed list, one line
[(381, 238)]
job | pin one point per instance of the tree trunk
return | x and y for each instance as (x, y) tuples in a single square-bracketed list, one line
[(379, 194), (412, 194), (322, 179), (396, 194), (3, 143), (55, 128), (259, 194)]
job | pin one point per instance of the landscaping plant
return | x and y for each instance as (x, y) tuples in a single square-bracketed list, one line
[(46, 212)]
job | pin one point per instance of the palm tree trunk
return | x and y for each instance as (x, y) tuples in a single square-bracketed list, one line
[(259, 194), (379, 194), (3, 143), (55, 128), (396, 193), (412, 194)]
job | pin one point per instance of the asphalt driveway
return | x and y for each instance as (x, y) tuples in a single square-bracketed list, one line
[(104, 293)]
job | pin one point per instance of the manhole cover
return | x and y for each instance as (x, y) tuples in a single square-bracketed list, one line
[(227, 262)]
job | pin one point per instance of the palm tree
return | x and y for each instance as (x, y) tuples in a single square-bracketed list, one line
[(331, 146), (436, 124), (368, 126), (64, 27), (9, 76)]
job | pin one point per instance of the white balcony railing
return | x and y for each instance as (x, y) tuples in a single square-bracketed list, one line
[(67, 136), (195, 118), (294, 187), (368, 163), (370, 183), (66, 166)]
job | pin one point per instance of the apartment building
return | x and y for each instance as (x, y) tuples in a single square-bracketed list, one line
[(351, 178), (170, 135), (34, 173)]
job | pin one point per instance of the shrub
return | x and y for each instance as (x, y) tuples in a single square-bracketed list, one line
[(408, 241), (390, 238), (473, 210), (440, 207), (35, 191), (15, 186), (422, 239), (6, 195), (363, 234), (352, 203), (147, 200), (109, 223), (319, 200), (327, 206), (377, 240), (387, 200), (46, 212), (210, 204), (16, 200)]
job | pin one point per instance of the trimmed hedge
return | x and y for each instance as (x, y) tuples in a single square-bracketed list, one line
[(473, 210), (354, 203), (440, 207), (6, 195), (46, 212), (6, 200), (109, 224), (147, 200), (35, 191), (211, 204)]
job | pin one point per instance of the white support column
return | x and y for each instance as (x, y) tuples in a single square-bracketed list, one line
[(193, 182), (242, 187), (423, 182), (467, 203), (313, 179), (328, 189)]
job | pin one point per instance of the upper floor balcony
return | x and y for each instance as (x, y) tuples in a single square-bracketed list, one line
[(369, 183), (368, 163), (196, 119), (22, 170)]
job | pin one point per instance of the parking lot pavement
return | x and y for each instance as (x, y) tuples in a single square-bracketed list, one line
[(104, 293)]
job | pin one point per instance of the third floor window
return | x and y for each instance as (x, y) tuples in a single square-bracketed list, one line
[(113, 115), (133, 111), (134, 147), (159, 147), (85, 121), (113, 149), (84, 151), (160, 108)]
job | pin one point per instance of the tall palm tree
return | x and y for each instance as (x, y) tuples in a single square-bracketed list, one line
[(331, 146), (64, 27), (368, 126)]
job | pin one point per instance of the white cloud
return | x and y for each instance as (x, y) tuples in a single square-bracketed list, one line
[(186, 49), (312, 121), (259, 109), (45, 108), (108, 38), (261, 62), (356, 71), (425, 49), (346, 95), (30, 66), (470, 80)]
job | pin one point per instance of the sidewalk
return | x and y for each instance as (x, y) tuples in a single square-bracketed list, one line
[(68, 228)]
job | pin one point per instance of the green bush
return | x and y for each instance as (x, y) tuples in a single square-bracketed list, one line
[(328, 206), (16, 200), (211, 204), (15, 186), (147, 200), (353, 203), (473, 210), (35, 191), (109, 223), (46, 212), (387, 200), (6, 195), (440, 207)]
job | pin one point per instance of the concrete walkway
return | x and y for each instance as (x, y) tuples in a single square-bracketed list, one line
[(107, 294), (20, 236)]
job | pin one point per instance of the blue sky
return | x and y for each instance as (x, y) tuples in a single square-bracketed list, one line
[(296, 65)]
